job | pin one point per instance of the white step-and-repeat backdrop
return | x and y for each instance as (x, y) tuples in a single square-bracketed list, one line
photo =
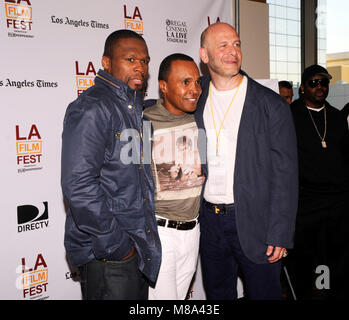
[(50, 52)]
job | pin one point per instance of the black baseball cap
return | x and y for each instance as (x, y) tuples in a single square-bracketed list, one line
[(314, 70)]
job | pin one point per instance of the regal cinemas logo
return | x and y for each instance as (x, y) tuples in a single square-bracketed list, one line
[(32, 217), (85, 76), (29, 149), (19, 17), (133, 21), (33, 281), (176, 31)]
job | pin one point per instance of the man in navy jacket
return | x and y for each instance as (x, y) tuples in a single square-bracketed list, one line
[(250, 197), (110, 231)]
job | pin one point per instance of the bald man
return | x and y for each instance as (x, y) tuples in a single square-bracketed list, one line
[(250, 197)]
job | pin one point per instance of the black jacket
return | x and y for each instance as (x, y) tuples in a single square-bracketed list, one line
[(265, 175), (321, 170)]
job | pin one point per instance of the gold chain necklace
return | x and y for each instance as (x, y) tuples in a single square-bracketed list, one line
[(322, 138), (214, 122)]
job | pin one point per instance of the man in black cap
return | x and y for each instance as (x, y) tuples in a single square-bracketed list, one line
[(318, 262)]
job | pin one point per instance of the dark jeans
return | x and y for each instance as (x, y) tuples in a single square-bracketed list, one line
[(113, 280), (221, 255)]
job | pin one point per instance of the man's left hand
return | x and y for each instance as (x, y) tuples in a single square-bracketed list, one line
[(275, 253)]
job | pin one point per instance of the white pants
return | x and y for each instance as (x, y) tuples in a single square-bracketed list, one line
[(180, 249)]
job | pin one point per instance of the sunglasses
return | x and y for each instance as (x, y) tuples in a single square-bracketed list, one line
[(324, 82)]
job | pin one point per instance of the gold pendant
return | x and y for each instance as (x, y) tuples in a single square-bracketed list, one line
[(324, 145)]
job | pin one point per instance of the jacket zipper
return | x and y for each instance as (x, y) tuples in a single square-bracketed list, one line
[(141, 163)]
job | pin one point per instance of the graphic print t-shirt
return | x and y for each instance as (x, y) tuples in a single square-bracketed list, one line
[(176, 164)]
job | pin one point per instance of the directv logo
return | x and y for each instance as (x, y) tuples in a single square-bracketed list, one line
[(32, 217)]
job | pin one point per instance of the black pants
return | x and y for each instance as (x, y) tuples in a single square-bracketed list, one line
[(113, 280), (321, 238), (221, 255)]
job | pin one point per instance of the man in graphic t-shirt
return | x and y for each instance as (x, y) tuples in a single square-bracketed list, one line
[(177, 175)]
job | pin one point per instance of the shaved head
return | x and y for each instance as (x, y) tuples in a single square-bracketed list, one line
[(211, 27)]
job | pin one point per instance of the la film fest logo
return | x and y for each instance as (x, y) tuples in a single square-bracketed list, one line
[(28, 148), (32, 217), (19, 18), (176, 31), (133, 19), (85, 76), (33, 281)]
